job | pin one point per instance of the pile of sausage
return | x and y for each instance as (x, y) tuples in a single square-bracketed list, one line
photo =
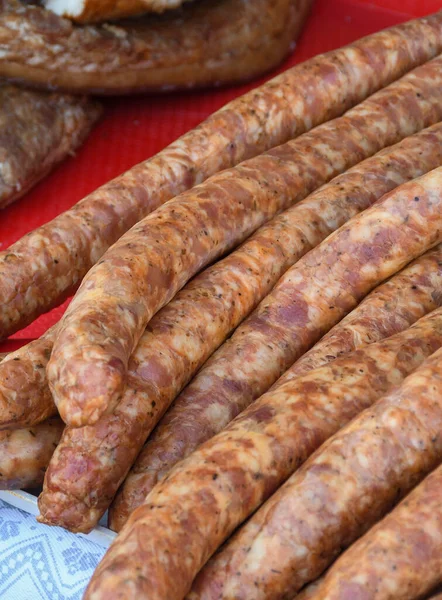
[(249, 376)]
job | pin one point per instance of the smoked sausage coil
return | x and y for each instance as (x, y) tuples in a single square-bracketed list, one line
[(343, 489), (40, 270), (25, 454), (207, 309), (382, 313), (25, 398), (206, 496), (400, 557), (149, 264), (269, 341)]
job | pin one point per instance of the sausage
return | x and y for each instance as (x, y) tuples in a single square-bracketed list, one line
[(25, 399), (345, 487), (207, 309), (213, 490), (37, 131), (389, 308), (40, 270), (150, 263), (92, 11), (281, 329), (25, 454), (203, 44), (400, 558)]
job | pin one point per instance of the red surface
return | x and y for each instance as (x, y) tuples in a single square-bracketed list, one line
[(134, 129)]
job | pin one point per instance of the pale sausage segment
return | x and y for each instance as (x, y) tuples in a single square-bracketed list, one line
[(212, 491), (345, 487), (149, 264), (25, 398), (44, 266), (388, 309), (25, 454), (400, 558), (310, 298), (187, 330)]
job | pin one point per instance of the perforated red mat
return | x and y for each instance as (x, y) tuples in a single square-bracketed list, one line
[(135, 128)]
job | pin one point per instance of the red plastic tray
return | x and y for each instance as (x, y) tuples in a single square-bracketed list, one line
[(135, 128)]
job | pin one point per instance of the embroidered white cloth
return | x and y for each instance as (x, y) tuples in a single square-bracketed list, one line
[(38, 562)]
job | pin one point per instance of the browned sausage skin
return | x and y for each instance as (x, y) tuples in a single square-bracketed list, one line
[(340, 492), (150, 263), (185, 332), (212, 491), (380, 314), (235, 375), (400, 558), (206, 310), (48, 263), (25, 454)]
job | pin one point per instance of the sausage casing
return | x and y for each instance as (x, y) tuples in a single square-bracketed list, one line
[(400, 558), (87, 468), (150, 263), (345, 487), (212, 491), (48, 263)]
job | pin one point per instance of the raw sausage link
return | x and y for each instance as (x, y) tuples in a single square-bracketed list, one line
[(25, 398), (45, 265), (187, 330), (25, 454), (285, 324), (400, 558), (37, 131), (212, 491), (343, 489), (391, 307), (149, 264)]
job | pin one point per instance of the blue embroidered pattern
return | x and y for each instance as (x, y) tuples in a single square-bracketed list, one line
[(42, 563)]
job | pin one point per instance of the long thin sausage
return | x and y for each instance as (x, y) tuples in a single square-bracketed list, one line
[(380, 314), (25, 454), (86, 470), (345, 487), (41, 269), (211, 492), (398, 559), (313, 295), (149, 264)]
